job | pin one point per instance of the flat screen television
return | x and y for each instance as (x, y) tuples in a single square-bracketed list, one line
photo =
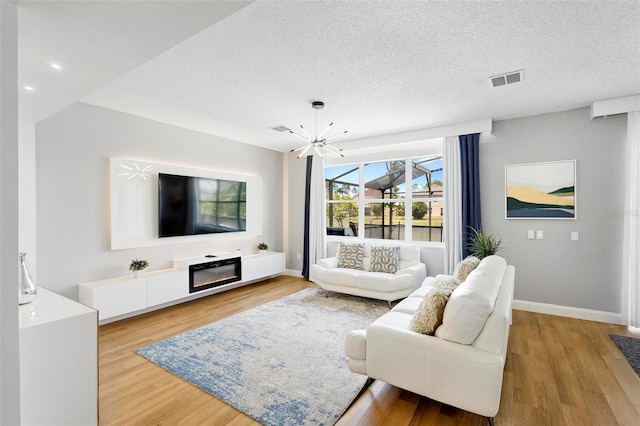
[(189, 205)]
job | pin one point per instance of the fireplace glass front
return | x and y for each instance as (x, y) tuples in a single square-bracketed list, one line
[(213, 274)]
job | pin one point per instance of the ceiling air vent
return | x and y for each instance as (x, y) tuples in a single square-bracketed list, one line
[(281, 128), (508, 78)]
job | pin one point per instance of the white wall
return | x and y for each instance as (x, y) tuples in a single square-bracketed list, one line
[(583, 274), (9, 358), (27, 195), (72, 158)]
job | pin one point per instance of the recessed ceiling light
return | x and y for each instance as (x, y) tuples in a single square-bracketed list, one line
[(29, 88), (56, 66)]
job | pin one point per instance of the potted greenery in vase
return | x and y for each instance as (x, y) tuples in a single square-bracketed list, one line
[(138, 266), (263, 247), (483, 244)]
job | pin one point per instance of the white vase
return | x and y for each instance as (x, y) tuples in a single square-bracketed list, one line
[(139, 273), (27, 289)]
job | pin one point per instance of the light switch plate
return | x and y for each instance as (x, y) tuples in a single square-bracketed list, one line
[(531, 235), (539, 235), (574, 236)]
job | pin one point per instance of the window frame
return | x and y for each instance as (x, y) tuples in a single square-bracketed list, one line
[(408, 199)]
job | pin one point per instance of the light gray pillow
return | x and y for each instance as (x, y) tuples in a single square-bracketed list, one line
[(428, 316), (385, 259), (350, 255)]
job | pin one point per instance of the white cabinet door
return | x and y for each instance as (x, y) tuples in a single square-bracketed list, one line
[(274, 264), (119, 298), (252, 267), (167, 287), (257, 266)]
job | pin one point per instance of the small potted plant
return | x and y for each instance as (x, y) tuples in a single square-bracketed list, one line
[(138, 266), (263, 247)]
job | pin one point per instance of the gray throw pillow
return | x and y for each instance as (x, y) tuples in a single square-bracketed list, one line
[(385, 259), (350, 255)]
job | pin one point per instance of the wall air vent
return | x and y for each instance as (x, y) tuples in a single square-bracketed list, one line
[(281, 128), (508, 78)]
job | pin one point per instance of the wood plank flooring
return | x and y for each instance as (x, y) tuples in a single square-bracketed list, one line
[(559, 371)]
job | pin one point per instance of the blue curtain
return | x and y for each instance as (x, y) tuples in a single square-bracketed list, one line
[(470, 170), (307, 210)]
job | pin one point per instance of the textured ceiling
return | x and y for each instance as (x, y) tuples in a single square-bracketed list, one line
[(382, 67)]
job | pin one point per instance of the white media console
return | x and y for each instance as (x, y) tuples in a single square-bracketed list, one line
[(123, 297)]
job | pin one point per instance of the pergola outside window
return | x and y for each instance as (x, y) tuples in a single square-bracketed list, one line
[(372, 200)]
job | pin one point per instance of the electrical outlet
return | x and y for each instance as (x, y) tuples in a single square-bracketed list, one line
[(298, 256), (539, 235)]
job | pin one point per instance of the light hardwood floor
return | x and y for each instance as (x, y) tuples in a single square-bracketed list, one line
[(559, 371)]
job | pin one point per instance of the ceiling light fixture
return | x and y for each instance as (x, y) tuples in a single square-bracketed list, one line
[(319, 142)]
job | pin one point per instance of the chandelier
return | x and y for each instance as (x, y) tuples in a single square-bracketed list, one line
[(319, 143)]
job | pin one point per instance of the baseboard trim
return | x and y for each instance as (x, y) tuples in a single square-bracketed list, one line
[(568, 311), (292, 273)]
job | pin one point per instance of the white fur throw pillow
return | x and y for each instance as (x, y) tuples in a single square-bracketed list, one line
[(428, 316), (465, 266)]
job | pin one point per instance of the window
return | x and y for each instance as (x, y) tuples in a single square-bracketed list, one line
[(372, 200)]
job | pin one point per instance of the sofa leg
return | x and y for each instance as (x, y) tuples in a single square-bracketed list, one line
[(389, 303), (490, 421), (327, 293)]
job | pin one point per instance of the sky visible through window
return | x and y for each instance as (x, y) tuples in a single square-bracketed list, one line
[(375, 170)]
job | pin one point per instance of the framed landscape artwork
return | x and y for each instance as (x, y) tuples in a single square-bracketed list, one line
[(541, 190)]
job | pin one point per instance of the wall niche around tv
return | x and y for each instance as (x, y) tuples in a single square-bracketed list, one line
[(135, 207)]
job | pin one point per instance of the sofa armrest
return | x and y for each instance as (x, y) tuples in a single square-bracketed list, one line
[(328, 263), (418, 273)]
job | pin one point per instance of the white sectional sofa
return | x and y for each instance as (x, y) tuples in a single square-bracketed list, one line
[(364, 280), (463, 363)]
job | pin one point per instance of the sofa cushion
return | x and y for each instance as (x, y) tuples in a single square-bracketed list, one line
[(337, 276), (472, 302), (408, 306), (385, 259), (465, 266), (429, 314), (350, 255), (382, 282)]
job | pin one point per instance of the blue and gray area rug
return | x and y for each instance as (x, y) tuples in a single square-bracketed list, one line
[(281, 363)]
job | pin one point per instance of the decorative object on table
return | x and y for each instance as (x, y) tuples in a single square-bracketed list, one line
[(281, 363), (138, 267), (26, 287), (483, 244), (263, 247), (541, 190), (318, 142)]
